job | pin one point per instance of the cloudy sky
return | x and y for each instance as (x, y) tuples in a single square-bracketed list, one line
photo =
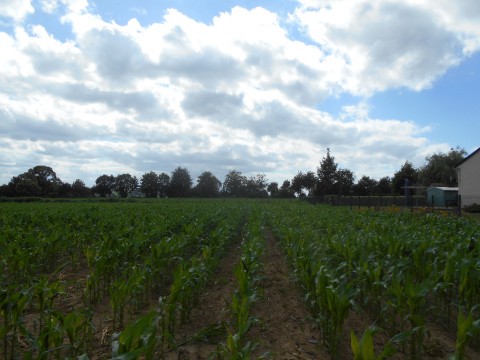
[(113, 86)]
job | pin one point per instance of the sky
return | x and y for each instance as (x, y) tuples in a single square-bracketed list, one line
[(110, 87)]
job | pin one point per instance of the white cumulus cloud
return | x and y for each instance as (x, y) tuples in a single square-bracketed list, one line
[(238, 92)]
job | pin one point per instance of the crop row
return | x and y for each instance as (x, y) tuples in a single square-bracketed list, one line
[(404, 270), (132, 253)]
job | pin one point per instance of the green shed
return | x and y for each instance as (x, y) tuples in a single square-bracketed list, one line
[(442, 196)]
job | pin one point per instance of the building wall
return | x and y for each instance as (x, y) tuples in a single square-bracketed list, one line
[(469, 180), (441, 198)]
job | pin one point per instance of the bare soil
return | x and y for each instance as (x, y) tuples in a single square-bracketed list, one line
[(212, 309), (284, 328)]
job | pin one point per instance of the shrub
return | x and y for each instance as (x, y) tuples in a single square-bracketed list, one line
[(472, 208)]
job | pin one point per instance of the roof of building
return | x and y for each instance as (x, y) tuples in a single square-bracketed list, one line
[(444, 188), (469, 156)]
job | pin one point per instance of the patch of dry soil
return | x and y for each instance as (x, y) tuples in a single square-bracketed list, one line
[(285, 328)]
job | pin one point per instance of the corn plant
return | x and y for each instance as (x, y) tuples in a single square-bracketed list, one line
[(467, 328), (364, 349), (247, 274), (12, 305)]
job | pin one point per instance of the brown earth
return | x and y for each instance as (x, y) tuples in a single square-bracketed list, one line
[(285, 327), (212, 309)]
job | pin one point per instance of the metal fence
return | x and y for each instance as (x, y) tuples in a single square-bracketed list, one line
[(370, 201)]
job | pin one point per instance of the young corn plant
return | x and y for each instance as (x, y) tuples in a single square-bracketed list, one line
[(467, 328), (246, 272), (364, 349), (12, 306)]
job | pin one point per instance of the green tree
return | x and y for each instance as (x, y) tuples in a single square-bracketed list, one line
[(441, 168), (43, 176), (285, 190), (6, 190), (272, 189), (344, 182), (47, 179), (150, 184), (163, 184), (384, 186), (303, 182), (65, 190), (326, 175), (125, 184), (180, 183), (234, 184), (27, 187), (207, 185), (297, 183), (365, 186), (309, 180), (104, 185), (79, 189), (406, 172), (256, 186)]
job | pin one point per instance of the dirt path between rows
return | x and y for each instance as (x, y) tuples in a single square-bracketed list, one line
[(212, 309), (285, 329)]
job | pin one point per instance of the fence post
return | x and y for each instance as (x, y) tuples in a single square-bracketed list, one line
[(358, 202)]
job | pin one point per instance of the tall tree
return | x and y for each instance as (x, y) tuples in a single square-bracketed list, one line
[(46, 179), (272, 189), (303, 182), (297, 183), (256, 186), (150, 184), (79, 189), (234, 184), (207, 185), (180, 183), (441, 168), (326, 175), (163, 184), (104, 185), (65, 190), (344, 182), (406, 172), (27, 187), (384, 186), (365, 186), (125, 184), (285, 190), (309, 180), (40, 180)]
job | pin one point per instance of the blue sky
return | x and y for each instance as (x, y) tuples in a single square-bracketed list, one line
[(95, 87)]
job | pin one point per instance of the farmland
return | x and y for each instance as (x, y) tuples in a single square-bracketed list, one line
[(236, 279)]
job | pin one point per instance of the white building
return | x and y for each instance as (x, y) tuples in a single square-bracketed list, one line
[(468, 174)]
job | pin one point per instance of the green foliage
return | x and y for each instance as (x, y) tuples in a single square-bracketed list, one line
[(441, 168), (364, 349), (398, 267), (473, 208)]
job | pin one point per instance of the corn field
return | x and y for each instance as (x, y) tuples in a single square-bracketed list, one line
[(146, 264)]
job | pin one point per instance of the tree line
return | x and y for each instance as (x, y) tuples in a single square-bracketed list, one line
[(329, 179)]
